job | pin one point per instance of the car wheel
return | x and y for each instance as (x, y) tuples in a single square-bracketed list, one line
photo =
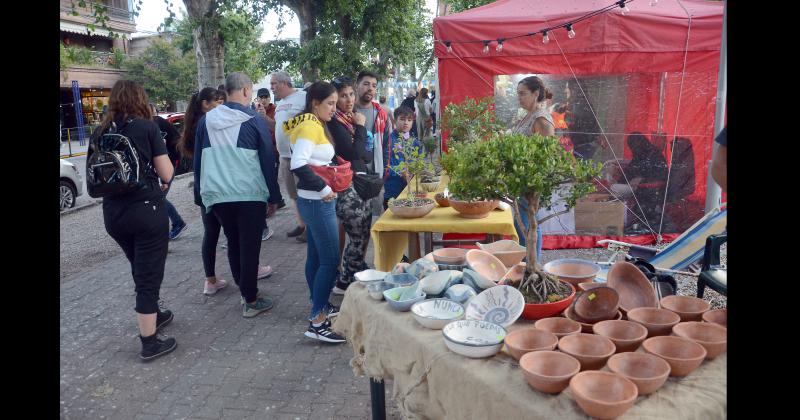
[(68, 195)]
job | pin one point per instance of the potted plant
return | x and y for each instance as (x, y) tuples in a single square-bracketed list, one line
[(510, 167), (412, 165), (471, 120)]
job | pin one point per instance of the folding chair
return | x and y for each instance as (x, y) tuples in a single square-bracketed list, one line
[(713, 274)]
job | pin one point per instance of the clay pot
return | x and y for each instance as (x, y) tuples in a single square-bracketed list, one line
[(598, 304), (591, 350), (441, 200), (657, 321), (429, 186), (508, 251), (689, 308), (646, 371), (558, 326), (711, 336), (549, 371), (526, 340), (717, 316), (635, 290), (473, 209), (603, 395), (682, 354), (626, 335), (486, 264), (514, 274), (450, 255), (572, 270), (586, 327), (590, 285), (412, 212), (544, 310)]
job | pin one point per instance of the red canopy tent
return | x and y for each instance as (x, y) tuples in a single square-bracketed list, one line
[(668, 54)]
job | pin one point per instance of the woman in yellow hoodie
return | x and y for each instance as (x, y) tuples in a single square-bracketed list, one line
[(312, 145)]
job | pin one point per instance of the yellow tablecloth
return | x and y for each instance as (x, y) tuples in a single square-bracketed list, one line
[(390, 233)]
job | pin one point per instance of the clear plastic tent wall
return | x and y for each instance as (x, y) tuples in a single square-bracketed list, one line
[(636, 93)]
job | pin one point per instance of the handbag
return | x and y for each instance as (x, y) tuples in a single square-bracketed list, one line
[(338, 177), (367, 185)]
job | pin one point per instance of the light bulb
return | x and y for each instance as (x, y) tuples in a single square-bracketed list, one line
[(449, 47), (499, 46), (570, 32), (545, 38), (486, 47), (624, 7)]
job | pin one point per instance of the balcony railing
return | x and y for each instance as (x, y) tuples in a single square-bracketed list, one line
[(116, 10)]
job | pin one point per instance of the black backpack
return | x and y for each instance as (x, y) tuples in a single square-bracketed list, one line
[(114, 165)]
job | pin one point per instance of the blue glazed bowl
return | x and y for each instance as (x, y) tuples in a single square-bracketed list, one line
[(393, 297), (400, 279)]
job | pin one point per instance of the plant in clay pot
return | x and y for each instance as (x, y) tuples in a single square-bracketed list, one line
[(511, 167), (411, 166)]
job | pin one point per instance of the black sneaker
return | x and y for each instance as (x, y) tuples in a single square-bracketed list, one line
[(153, 347), (163, 318), (282, 204), (331, 309), (296, 231), (324, 333)]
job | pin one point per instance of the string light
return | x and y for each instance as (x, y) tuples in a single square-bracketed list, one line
[(486, 47), (545, 38), (500, 44), (624, 7), (570, 32), (653, 2), (449, 47)]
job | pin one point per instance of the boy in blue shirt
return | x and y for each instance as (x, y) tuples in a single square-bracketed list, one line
[(395, 182)]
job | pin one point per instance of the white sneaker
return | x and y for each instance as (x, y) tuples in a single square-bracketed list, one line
[(267, 233), (212, 288), (264, 271), (337, 291)]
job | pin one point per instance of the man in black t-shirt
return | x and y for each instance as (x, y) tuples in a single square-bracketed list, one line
[(170, 136)]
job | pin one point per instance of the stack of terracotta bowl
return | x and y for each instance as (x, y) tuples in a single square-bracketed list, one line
[(593, 306)]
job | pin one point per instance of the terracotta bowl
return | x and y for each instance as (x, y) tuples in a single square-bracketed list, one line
[(590, 285), (689, 308), (603, 395), (514, 274), (682, 354), (717, 316), (558, 326), (591, 350), (572, 270), (646, 371), (473, 209), (526, 340), (598, 304), (626, 335), (441, 200), (544, 310), (711, 336), (657, 321), (586, 327), (635, 291), (549, 371), (486, 264), (508, 251), (450, 255)]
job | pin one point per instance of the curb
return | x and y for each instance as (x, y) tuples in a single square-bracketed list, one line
[(100, 201)]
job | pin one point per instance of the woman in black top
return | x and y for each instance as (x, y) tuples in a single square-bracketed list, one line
[(354, 213), (138, 220)]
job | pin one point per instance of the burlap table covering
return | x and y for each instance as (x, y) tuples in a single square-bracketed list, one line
[(431, 382)]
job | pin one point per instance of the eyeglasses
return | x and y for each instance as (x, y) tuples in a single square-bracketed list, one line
[(341, 81)]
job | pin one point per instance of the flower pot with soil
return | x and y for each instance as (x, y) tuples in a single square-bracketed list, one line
[(411, 208), (412, 165), (473, 209)]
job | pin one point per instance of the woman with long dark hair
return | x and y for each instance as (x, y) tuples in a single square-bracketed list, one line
[(312, 145), (138, 220)]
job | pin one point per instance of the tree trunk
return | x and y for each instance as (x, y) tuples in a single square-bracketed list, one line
[(304, 9), (208, 43)]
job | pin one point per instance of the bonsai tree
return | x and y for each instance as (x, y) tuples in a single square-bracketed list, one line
[(412, 162), (511, 167), (471, 120)]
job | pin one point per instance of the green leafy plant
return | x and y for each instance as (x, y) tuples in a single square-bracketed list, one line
[(118, 58), (429, 144), (471, 120), (511, 167), (412, 162)]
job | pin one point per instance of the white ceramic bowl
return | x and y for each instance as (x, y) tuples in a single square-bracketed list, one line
[(500, 304), (370, 275), (474, 338), (395, 299), (475, 280), (436, 313)]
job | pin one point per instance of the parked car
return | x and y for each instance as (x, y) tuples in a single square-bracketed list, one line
[(71, 185)]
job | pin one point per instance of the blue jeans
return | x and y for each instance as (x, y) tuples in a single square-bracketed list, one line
[(174, 217), (322, 260), (523, 214)]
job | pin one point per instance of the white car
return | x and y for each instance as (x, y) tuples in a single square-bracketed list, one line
[(71, 184)]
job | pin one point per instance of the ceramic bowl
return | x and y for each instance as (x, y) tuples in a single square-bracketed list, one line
[(486, 264), (397, 280), (526, 340), (711, 336), (400, 267), (603, 395), (689, 308), (717, 316), (412, 212), (375, 289), (501, 305), (558, 326), (422, 267), (545, 310), (436, 283), (450, 256), (598, 304), (474, 338), (590, 285), (572, 270), (429, 186), (635, 291), (399, 299), (473, 279), (657, 321), (514, 274), (460, 293), (441, 200), (626, 335), (591, 350), (549, 371), (473, 209), (507, 251), (682, 354), (586, 327), (436, 313), (646, 371), (370, 275)]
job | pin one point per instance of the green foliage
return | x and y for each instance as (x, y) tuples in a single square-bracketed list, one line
[(471, 120), (412, 161), (64, 60), (78, 56), (118, 58), (461, 5), (429, 144), (166, 73), (280, 54)]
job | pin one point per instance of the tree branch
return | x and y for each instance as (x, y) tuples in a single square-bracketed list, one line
[(550, 216)]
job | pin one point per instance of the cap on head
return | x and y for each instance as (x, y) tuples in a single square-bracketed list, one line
[(263, 92)]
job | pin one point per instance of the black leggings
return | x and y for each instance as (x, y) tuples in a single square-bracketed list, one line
[(211, 228), (142, 231), (243, 222)]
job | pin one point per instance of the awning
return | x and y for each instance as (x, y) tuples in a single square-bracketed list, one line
[(81, 29)]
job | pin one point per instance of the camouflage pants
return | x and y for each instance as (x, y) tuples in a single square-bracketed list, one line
[(356, 216)]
